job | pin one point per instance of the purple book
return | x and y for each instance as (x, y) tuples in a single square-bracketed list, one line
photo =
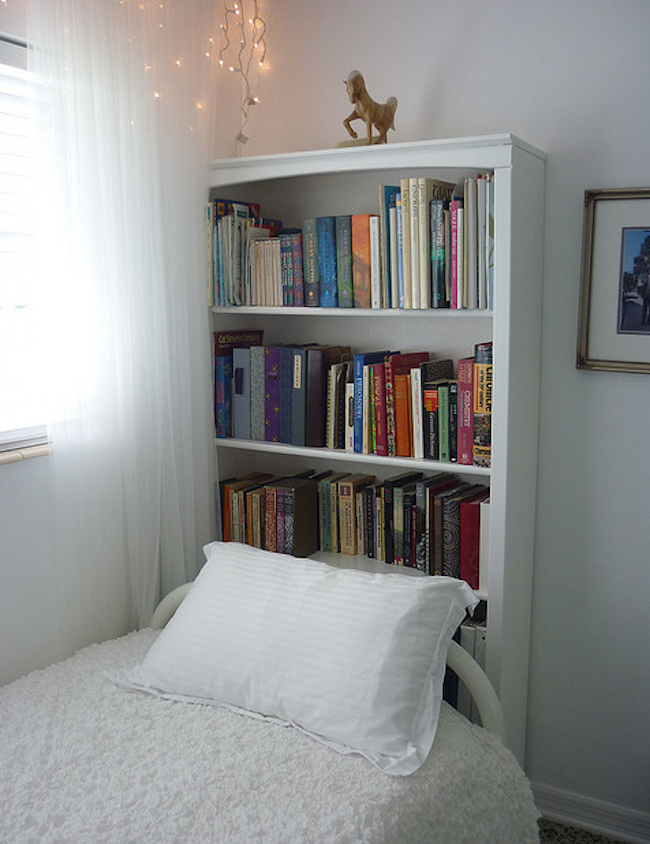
[(271, 394)]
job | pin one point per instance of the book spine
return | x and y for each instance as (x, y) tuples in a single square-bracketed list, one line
[(297, 271), (310, 262), (241, 393), (361, 260), (414, 209), (430, 411), (271, 395), (280, 499), (298, 397), (439, 298), (316, 398), (285, 390), (328, 288), (453, 421), (270, 523), (403, 432), (375, 263), (344, 261), (347, 517), (381, 434), (443, 421), (257, 393), (416, 413), (482, 404), (400, 251), (465, 426)]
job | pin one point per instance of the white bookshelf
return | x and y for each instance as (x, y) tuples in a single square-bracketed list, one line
[(346, 181)]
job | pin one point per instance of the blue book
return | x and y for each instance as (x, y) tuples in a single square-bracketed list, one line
[(387, 197), (241, 393), (344, 260), (223, 398), (311, 276), (328, 289), (257, 392), (358, 362)]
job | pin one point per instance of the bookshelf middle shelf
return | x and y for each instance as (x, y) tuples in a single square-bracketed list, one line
[(326, 454)]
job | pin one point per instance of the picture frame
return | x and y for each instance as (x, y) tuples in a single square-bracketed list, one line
[(614, 318)]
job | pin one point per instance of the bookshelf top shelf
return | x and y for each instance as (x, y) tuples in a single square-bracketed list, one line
[(487, 152)]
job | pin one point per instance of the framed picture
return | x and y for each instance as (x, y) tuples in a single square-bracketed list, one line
[(614, 326)]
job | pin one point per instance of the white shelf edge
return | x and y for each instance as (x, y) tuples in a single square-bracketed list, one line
[(259, 310), (349, 456)]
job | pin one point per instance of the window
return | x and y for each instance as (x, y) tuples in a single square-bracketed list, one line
[(22, 413)]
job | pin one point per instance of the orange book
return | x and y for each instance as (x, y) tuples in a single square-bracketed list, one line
[(361, 260), (403, 433)]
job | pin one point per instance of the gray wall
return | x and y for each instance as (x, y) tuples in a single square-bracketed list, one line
[(570, 78)]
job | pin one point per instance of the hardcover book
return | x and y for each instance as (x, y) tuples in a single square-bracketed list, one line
[(257, 393), (241, 393), (389, 486), (465, 426), (285, 391), (387, 194), (470, 538), (482, 404), (361, 259), (310, 262), (328, 288), (399, 363), (271, 394), (348, 488), (344, 261)]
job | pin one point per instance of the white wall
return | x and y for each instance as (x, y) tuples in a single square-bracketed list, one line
[(570, 78)]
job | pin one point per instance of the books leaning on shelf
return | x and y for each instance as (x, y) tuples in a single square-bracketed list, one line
[(428, 244), (434, 524), (386, 403)]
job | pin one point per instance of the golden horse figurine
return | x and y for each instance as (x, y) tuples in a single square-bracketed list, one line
[(379, 115)]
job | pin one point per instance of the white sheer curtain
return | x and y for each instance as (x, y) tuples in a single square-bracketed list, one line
[(126, 105)]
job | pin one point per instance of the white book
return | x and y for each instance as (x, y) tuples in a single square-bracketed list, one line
[(481, 237), (416, 413), (375, 263), (460, 259), (414, 207), (471, 266)]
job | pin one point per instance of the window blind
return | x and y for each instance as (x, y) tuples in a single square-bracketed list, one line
[(22, 414)]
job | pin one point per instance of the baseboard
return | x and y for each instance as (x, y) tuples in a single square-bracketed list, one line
[(595, 815)]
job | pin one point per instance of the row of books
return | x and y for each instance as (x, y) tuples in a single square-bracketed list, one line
[(431, 245), (387, 403), (438, 525)]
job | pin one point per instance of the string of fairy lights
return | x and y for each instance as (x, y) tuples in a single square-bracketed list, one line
[(243, 30), (242, 48)]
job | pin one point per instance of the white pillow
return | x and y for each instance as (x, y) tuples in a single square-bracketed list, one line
[(354, 659)]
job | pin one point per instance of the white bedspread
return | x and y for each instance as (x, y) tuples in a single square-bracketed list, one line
[(83, 761)]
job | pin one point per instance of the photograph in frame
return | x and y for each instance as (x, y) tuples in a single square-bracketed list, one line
[(614, 323)]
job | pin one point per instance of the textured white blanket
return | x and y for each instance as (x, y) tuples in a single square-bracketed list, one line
[(83, 761)]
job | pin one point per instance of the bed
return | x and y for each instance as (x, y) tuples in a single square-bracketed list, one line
[(119, 744)]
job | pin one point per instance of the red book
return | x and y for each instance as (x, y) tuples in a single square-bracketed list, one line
[(361, 262), (465, 440), (470, 531), (379, 400), (397, 364)]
